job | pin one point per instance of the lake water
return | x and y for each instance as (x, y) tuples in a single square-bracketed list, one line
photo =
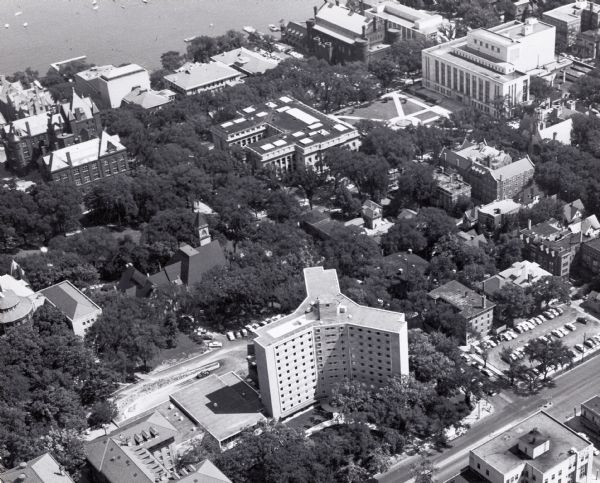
[(122, 31)]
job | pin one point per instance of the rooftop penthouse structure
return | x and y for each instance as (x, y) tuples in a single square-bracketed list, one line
[(329, 337), (489, 69), (540, 449), (284, 134)]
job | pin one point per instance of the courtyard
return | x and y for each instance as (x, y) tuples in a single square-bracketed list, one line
[(397, 109)]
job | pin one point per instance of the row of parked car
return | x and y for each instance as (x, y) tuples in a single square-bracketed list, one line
[(588, 344), (531, 323)]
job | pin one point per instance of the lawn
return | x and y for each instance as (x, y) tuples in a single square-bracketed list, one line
[(375, 110)]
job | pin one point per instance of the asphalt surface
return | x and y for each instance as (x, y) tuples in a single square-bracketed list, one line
[(569, 391)]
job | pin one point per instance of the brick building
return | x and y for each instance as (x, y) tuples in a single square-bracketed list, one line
[(476, 310), (492, 173), (450, 187), (17, 102), (87, 162), (552, 246)]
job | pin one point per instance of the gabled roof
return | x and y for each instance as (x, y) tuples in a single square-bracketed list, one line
[(83, 153), (70, 300), (80, 107), (34, 125), (135, 283), (513, 169), (190, 264), (43, 469), (341, 17), (572, 210), (206, 473)]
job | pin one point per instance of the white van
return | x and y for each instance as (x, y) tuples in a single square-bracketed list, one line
[(214, 344)]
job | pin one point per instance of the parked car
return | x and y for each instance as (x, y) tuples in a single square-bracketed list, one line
[(582, 320), (206, 337), (244, 332), (237, 334), (570, 326), (519, 329), (559, 310), (230, 336), (555, 312), (202, 374), (548, 314), (589, 343), (579, 347), (215, 344)]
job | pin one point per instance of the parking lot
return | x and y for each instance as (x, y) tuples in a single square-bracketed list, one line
[(582, 331)]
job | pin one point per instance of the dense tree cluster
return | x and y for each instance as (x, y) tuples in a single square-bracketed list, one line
[(49, 380)]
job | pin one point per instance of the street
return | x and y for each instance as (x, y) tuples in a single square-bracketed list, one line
[(155, 387), (571, 389)]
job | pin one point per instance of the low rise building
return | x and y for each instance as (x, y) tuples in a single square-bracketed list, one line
[(284, 134), (401, 22), (193, 78), (329, 337), (107, 85), (590, 255), (522, 274), (491, 173), (80, 311), (372, 214), (17, 102), (145, 450), (450, 188), (490, 68), (246, 61), (552, 246), (539, 449), (149, 99), (223, 406), (590, 414), (43, 469), (476, 310), (406, 264), (87, 162), (493, 215)]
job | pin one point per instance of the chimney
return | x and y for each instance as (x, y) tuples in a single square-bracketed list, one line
[(315, 10), (410, 250), (28, 128), (69, 162), (529, 224), (364, 31), (483, 301)]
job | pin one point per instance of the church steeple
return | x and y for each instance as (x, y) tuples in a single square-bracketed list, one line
[(201, 225)]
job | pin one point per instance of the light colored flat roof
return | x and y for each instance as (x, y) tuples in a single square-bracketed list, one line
[(501, 453), (194, 76), (323, 285), (505, 206)]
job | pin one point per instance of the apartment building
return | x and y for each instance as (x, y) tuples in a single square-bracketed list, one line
[(571, 20), (87, 162), (43, 469), (539, 449), (552, 246), (491, 173), (476, 310), (450, 187), (107, 85), (284, 134), (326, 339), (493, 215), (489, 69), (590, 255)]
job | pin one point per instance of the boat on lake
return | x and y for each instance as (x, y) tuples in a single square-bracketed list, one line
[(249, 29)]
